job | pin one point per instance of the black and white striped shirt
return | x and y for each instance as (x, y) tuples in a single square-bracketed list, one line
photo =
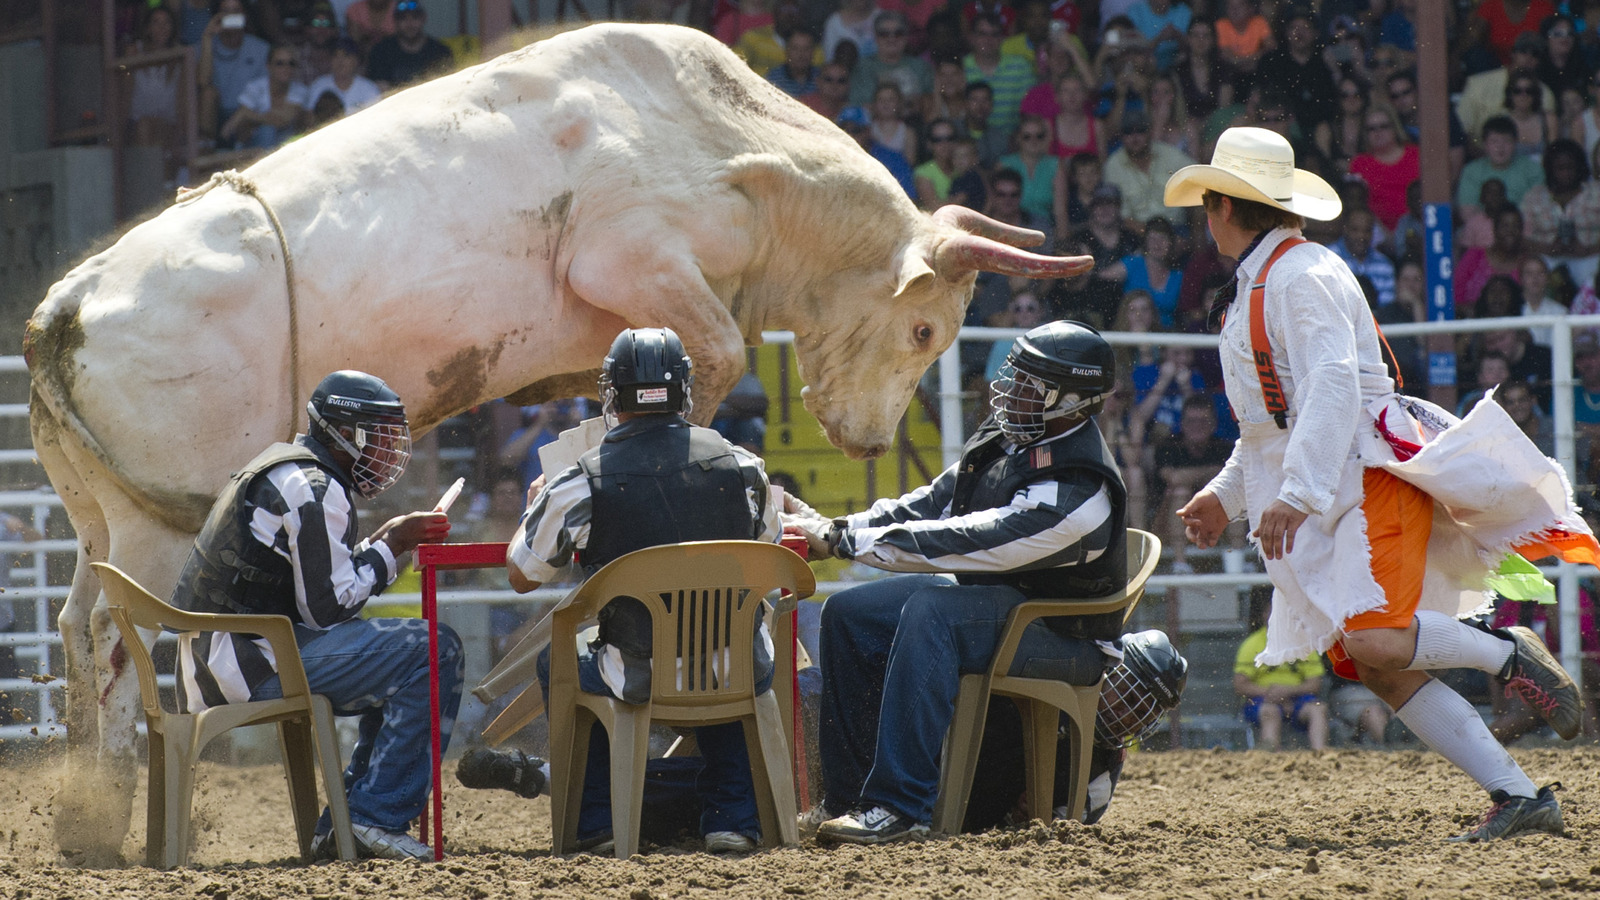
[(306, 517), (1047, 523)]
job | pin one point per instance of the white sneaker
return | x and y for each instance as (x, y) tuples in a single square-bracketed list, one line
[(878, 825), (374, 842), (728, 842), (811, 819)]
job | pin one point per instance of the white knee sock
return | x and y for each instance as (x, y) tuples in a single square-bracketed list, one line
[(1448, 724), (1447, 643)]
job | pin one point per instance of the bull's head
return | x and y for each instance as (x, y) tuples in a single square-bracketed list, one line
[(862, 369)]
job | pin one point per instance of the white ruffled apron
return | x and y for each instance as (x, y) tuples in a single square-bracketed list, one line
[(1493, 491)]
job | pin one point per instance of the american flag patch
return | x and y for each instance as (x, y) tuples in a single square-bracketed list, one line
[(652, 395), (1039, 457)]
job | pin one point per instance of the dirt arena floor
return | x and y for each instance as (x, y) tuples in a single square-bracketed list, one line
[(1187, 824)]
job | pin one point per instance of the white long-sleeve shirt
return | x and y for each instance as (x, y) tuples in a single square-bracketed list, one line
[(1329, 361)]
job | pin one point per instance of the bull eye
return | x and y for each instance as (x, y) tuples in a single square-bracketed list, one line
[(924, 334)]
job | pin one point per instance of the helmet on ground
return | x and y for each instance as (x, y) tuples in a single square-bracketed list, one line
[(1058, 369), (647, 371), (359, 414), (1147, 682)]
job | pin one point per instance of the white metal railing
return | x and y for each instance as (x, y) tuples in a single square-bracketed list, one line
[(37, 645)]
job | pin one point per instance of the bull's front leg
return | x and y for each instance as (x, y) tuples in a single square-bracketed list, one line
[(650, 285)]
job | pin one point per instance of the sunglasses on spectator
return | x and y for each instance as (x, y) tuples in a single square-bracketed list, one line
[(321, 23), (1008, 195), (941, 138), (832, 79), (892, 33), (984, 32), (407, 6), (1378, 126), (283, 62), (1033, 135), (1559, 33), (1524, 89)]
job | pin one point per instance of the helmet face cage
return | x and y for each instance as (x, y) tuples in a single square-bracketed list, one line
[(1128, 710), (380, 448), (1021, 402)]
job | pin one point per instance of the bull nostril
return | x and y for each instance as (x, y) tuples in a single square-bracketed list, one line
[(875, 451)]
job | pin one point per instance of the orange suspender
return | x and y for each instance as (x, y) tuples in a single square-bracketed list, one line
[(1261, 348)]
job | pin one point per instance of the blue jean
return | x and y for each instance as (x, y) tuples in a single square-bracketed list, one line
[(724, 784), (378, 669), (893, 653)]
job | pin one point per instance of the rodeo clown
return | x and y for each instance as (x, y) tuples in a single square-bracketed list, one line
[(283, 539), (1338, 474), (1034, 508)]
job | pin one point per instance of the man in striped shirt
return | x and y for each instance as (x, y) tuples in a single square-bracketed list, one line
[(1034, 509), (283, 539)]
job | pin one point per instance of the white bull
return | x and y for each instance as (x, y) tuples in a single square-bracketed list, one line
[(482, 235)]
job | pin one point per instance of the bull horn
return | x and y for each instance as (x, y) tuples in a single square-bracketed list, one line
[(974, 222), (964, 253)]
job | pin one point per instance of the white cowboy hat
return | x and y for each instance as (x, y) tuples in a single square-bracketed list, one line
[(1256, 164)]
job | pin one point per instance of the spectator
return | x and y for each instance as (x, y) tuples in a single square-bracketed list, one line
[(1590, 120), (1037, 167), (1586, 393), (325, 109), (889, 127), (967, 187), (1526, 361), (409, 54), (797, 74), (370, 21), (978, 124), (1073, 130), (1140, 169), (153, 101), (949, 97), (1410, 305), (918, 14), (973, 10), (1503, 256), (1563, 66), (1499, 299), (1402, 92), (1243, 35), (1535, 121), (1516, 398), (1354, 704), (1492, 371), (1025, 312), (1162, 24), (1389, 165), (1537, 299), (272, 108), (1169, 118), (1397, 34), (733, 20), (1206, 271), (318, 41), (933, 177), (1296, 69), (1499, 23), (890, 65), (1356, 249), (1186, 460), (1050, 55), (354, 91), (1500, 160), (1108, 240), (1062, 59), (1126, 78), (1483, 96), (1346, 132), (193, 17), (853, 22), (541, 424), (1289, 692), (1155, 270), (229, 59), (1561, 217), (1128, 448), (1009, 77), (1074, 185), (1159, 396), (741, 417), (832, 95), (1346, 53), (855, 123), (768, 47), (1207, 80)]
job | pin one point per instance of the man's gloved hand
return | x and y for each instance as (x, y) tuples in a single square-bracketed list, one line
[(794, 506), (822, 535)]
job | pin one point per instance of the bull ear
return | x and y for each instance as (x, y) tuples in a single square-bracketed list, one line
[(913, 270), (766, 170)]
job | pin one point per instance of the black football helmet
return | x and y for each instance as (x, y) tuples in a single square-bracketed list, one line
[(647, 371), (359, 414), (1058, 369), (1147, 682)]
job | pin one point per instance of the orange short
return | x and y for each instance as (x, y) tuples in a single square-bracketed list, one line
[(1399, 522)]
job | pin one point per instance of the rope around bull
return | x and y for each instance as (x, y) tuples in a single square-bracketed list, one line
[(234, 179)]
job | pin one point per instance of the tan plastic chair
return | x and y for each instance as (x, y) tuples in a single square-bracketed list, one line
[(1039, 700), (701, 676), (305, 724)]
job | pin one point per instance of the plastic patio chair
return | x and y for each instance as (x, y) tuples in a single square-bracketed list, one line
[(304, 719), (703, 598), (1039, 700)]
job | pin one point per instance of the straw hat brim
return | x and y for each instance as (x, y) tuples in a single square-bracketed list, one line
[(1312, 197)]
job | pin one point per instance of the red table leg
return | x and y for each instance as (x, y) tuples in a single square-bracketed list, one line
[(801, 769), (430, 612)]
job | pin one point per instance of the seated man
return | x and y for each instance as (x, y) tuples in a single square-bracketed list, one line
[(1274, 694), (283, 539), (654, 480), (1034, 508)]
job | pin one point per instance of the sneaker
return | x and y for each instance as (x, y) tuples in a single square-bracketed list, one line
[(1541, 682), (812, 819), (373, 842), (728, 842), (878, 825), (1511, 816), (509, 770), (602, 844)]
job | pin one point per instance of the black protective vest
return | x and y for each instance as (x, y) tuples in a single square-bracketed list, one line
[(228, 571), (658, 480), (989, 477)]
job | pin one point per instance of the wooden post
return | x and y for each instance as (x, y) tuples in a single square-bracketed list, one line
[(1433, 111)]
